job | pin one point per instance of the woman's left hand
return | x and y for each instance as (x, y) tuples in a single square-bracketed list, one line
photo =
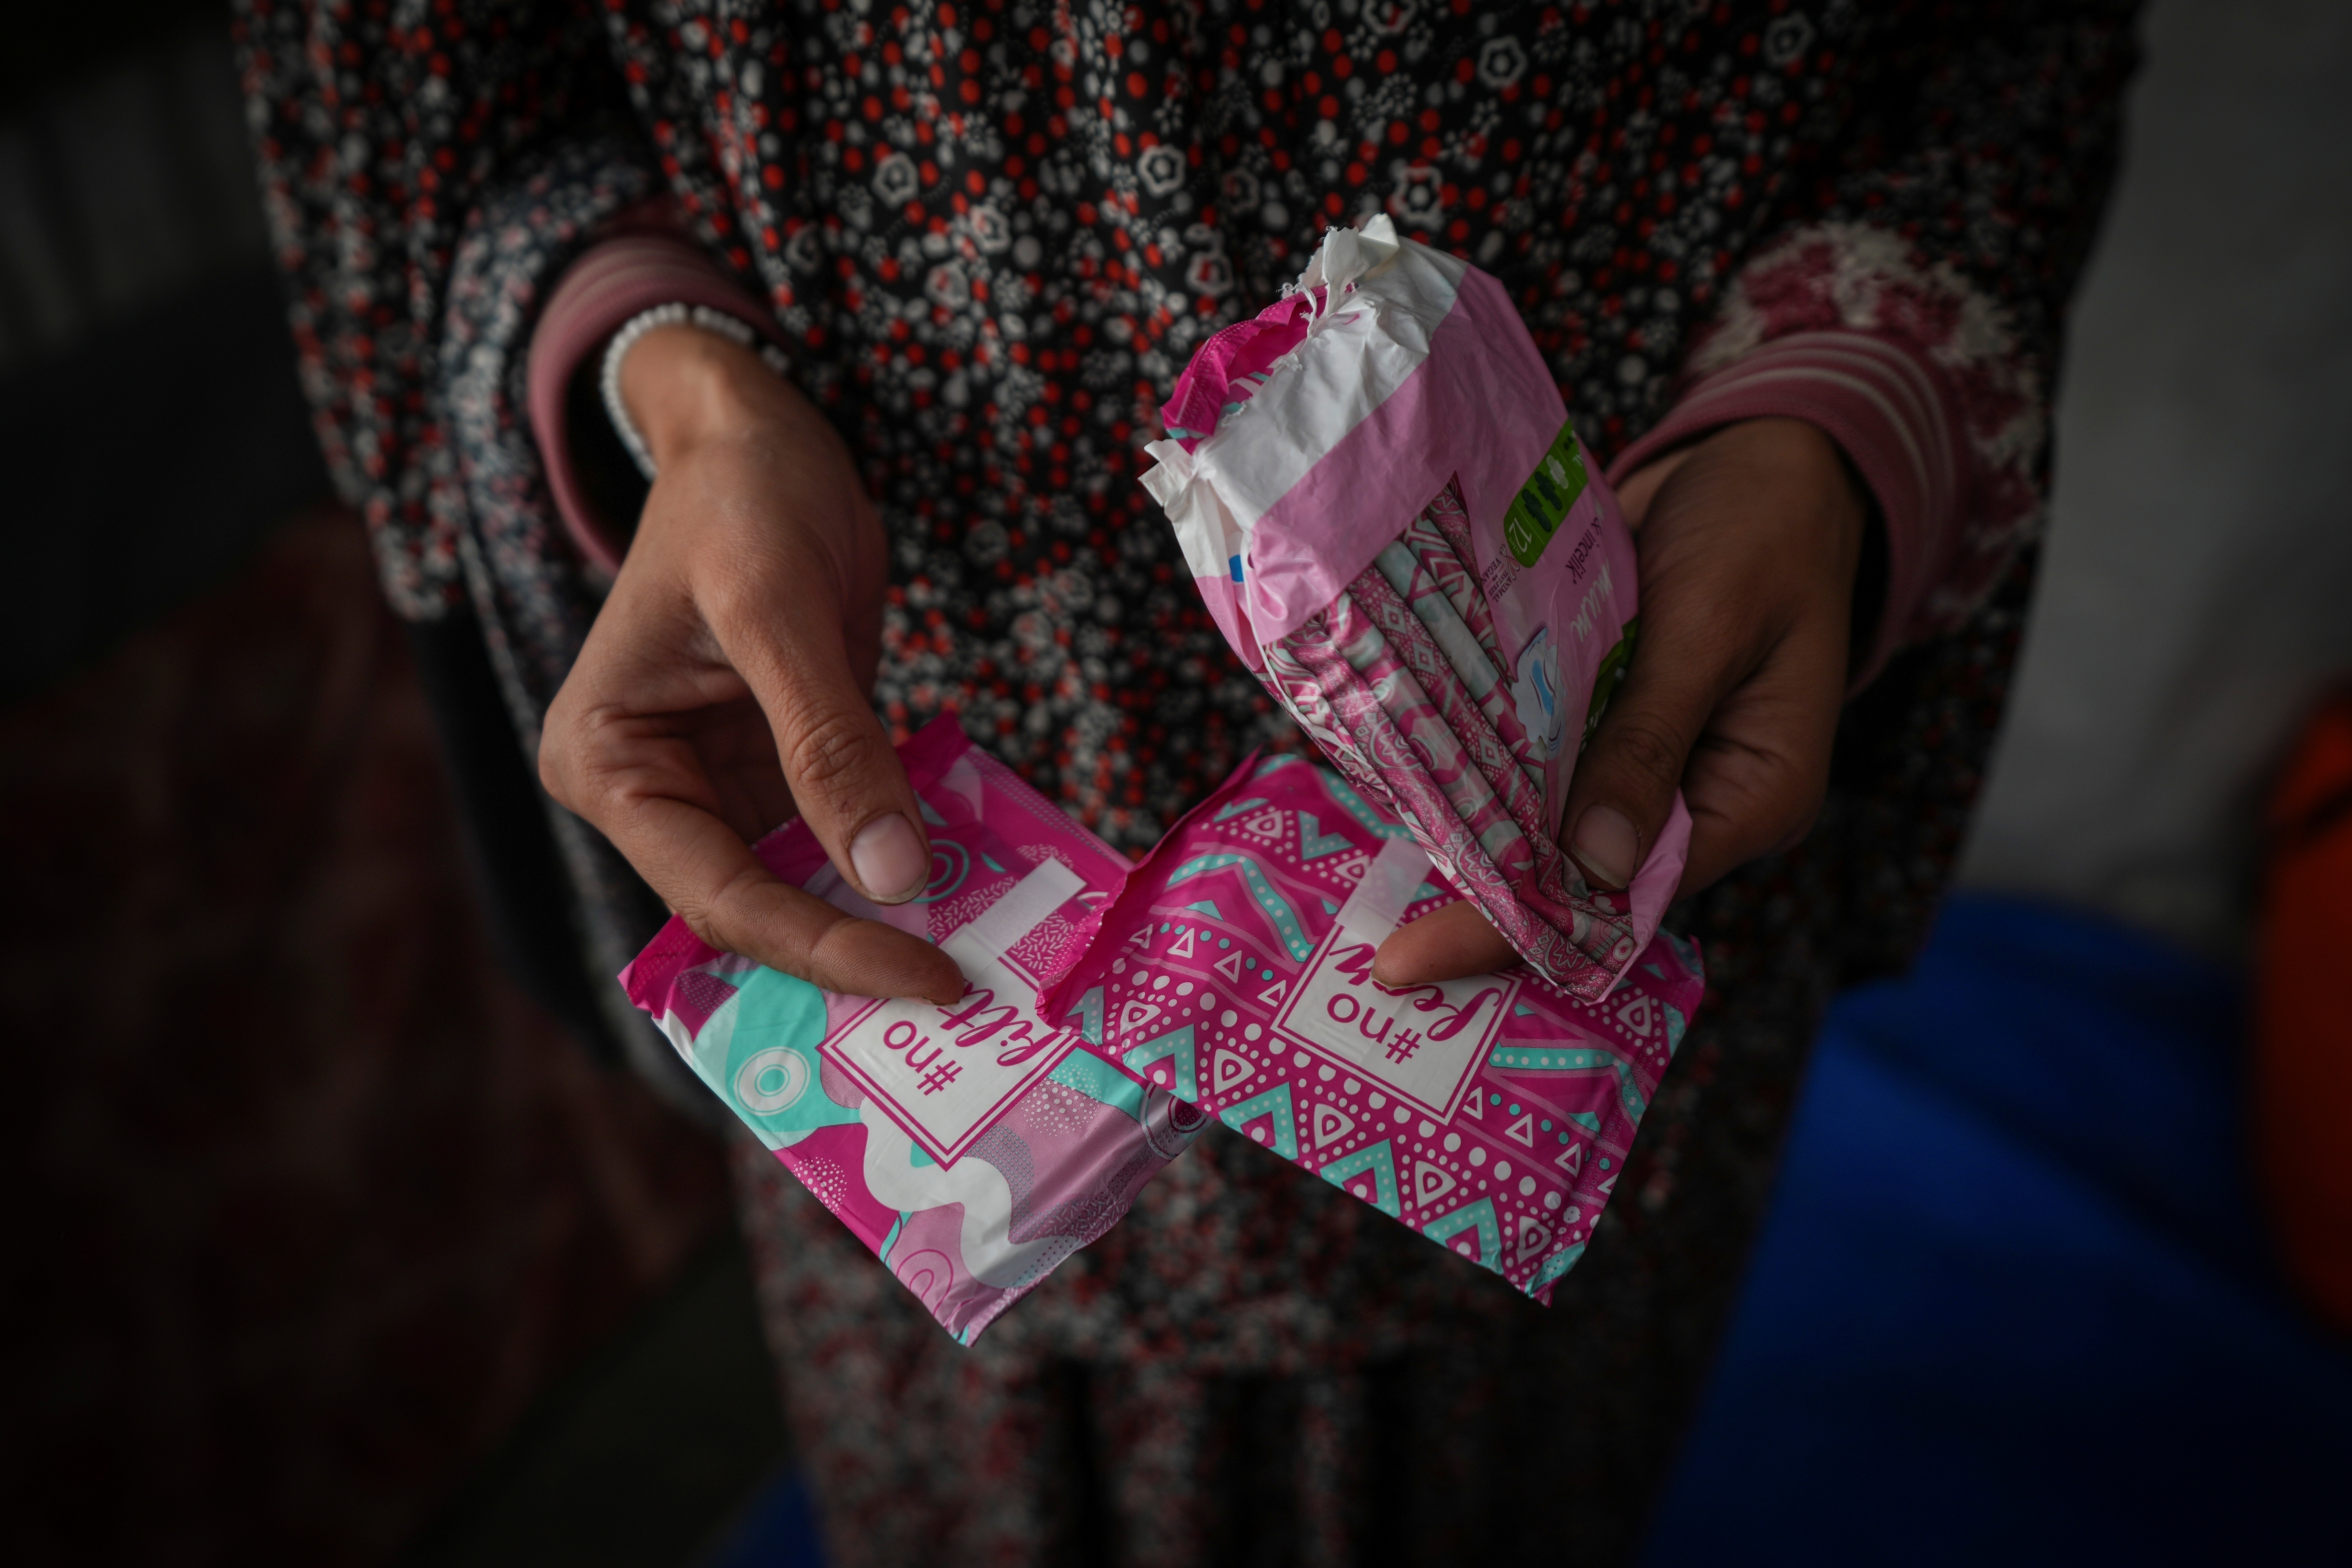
[(1748, 540)]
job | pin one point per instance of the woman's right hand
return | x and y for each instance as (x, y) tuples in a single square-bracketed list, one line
[(724, 684)]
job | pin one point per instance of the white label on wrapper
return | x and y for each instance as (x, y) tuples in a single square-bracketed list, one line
[(945, 1074), (1420, 1042)]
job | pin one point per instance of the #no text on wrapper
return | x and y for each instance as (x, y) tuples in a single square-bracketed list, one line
[(972, 1147), (1492, 1114)]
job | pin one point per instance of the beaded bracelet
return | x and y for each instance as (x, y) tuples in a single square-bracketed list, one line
[(671, 315)]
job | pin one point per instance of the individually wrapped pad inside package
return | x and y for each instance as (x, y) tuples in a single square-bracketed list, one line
[(1491, 1114), (973, 1147), (1378, 492)]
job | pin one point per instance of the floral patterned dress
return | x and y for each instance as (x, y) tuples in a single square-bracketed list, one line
[(991, 233)]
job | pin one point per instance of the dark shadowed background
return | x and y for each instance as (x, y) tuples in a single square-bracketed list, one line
[(326, 1244)]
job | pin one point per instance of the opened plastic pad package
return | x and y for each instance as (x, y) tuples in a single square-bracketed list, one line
[(1377, 489)]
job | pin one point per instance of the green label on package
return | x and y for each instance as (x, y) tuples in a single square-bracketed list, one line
[(1545, 498)]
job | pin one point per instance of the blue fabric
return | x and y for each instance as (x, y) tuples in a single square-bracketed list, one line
[(2012, 1301), (777, 1531)]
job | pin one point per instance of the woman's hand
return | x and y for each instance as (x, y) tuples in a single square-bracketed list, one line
[(724, 684), (1749, 540)]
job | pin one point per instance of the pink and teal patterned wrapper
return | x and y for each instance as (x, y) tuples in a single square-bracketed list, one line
[(1110, 1012), (1492, 1114), (1388, 514), (973, 1147)]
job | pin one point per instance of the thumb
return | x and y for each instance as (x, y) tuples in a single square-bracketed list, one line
[(1617, 804), (1623, 789), (844, 776)]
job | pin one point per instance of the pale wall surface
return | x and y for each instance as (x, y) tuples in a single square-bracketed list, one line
[(2197, 591)]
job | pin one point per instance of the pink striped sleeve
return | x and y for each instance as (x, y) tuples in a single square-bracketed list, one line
[(1914, 375), (616, 279)]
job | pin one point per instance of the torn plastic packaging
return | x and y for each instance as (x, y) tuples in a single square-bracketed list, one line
[(1385, 509)]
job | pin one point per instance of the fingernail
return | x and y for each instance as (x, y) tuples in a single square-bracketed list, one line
[(1606, 845), (888, 856)]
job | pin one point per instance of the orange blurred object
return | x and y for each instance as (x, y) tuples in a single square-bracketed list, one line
[(2303, 1052)]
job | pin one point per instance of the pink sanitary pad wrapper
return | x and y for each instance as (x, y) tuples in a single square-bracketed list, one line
[(1381, 500), (973, 1147), (1492, 1114)]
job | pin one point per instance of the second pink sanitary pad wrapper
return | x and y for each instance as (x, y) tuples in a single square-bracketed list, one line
[(1492, 1114)]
